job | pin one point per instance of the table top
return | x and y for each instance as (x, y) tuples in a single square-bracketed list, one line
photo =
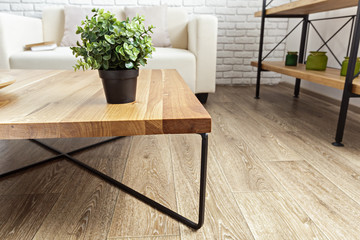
[(64, 104)]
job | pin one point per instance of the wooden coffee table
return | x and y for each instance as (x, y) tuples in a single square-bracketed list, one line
[(67, 104)]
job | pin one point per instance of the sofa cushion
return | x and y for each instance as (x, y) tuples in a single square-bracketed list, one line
[(73, 17), (53, 25), (182, 60), (156, 16), (61, 58)]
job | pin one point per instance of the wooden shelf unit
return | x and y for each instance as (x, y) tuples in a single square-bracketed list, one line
[(304, 7), (331, 77)]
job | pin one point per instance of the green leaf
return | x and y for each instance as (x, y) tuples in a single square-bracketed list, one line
[(106, 65), (110, 39), (79, 30), (121, 51), (129, 65), (143, 62), (133, 58), (107, 43), (98, 58), (135, 51), (107, 57)]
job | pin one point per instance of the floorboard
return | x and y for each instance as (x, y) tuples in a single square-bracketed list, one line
[(223, 218), (336, 214), (148, 171), (272, 174), (274, 215)]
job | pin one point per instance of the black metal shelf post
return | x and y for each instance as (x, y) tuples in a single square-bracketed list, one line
[(303, 42), (302, 52), (347, 93), (260, 50), (354, 39)]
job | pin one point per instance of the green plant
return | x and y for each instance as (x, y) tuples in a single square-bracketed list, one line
[(110, 44)]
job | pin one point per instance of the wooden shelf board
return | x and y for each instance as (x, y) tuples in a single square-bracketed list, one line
[(331, 77), (303, 7)]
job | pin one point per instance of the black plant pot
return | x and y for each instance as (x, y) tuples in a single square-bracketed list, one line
[(119, 85)]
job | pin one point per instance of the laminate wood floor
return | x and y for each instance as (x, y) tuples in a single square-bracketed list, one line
[(272, 174)]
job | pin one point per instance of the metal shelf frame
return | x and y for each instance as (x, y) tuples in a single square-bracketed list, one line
[(353, 47)]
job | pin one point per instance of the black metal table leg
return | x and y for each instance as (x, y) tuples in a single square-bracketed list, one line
[(55, 157), (30, 166), (261, 45), (347, 93), (304, 33), (132, 192)]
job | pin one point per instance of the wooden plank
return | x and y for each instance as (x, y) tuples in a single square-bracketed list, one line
[(175, 237), (223, 219), (81, 215), (314, 128), (22, 215), (330, 77), (48, 178), (72, 104), (181, 103), (334, 169), (260, 125), (288, 220), (304, 7), (339, 165), (85, 208), (334, 212), (242, 168), (148, 171), (19, 153), (70, 144), (6, 80), (311, 116)]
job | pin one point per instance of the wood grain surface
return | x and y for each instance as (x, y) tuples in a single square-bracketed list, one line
[(247, 173), (13, 158), (329, 207), (304, 7), (272, 174), (148, 171), (22, 215), (288, 220), (61, 104), (223, 218), (330, 77), (6, 80), (89, 213)]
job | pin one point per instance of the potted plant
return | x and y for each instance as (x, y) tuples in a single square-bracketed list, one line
[(116, 49)]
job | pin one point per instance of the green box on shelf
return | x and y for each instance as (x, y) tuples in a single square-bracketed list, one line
[(291, 58), (316, 61), (344, 66)]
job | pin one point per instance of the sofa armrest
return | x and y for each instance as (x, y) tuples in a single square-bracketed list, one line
[(15, 33), (202, 39)]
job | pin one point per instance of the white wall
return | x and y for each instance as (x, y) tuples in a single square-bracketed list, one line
[(238, 30), (338, 45)]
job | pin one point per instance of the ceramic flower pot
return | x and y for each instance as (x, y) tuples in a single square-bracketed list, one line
[(119, 85), (291, 59), (316, 61), (345, 64)]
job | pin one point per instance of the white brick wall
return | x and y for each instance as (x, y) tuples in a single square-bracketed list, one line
[(238, 33)]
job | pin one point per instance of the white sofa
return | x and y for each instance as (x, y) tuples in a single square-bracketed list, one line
[(193, 51)]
